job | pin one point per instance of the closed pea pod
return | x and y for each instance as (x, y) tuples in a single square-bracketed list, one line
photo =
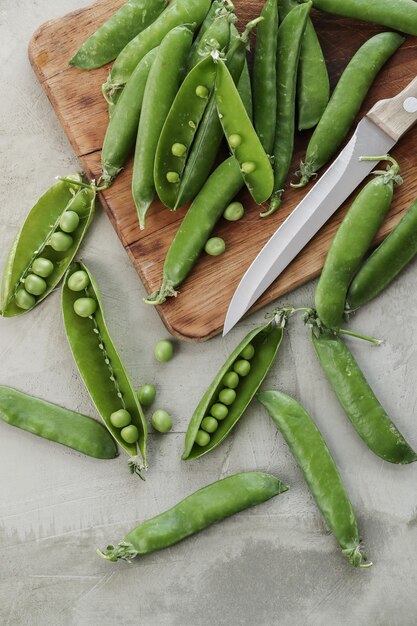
[(201, 509), (244, 87), (100, 366), (319, 469), (216, 36)]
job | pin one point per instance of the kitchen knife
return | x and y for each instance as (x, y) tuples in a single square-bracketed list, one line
[(375, 135)]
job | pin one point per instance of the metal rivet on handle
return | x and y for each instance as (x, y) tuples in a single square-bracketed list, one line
[(410, 105)]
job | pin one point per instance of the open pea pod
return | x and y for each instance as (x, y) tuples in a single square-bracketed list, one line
[(34, 267), (239, 375), (99, 363)]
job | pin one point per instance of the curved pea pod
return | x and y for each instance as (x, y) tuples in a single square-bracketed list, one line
[(32, 242), (100, 365), (215, 36), (319, 469), (201, 509), (266, 341), (55, 423), (105, 43), (358, 401)]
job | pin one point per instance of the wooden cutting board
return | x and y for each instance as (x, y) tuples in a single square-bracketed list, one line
[(199, 310)]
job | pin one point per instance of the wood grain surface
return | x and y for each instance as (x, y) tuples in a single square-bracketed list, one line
[(199, 310)]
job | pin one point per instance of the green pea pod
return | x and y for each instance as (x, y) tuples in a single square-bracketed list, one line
[(265, 75), (207, 22), (266, 341), (351, 243), (161, 88), (388, 260), (32, 243), (242, 138), (196, 227), (178, 13), (244, 87), (105, 43), (319, 469), (196, 512), (346, 101), (358, 401), (215, 36), (100, 365), (55, 423), (123, 127)]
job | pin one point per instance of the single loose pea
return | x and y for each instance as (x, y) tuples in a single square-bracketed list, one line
[(231, 380), (202, 438), (215, 246), (164, 350), (209, 424), (35, 285), (248, 167), (248, 352), (227, 396), (24, 300), (78, 281), (130, 433), (162, 421), (84, 307), (202, 91), (42, 267), (69, 221), (61, 242), (234, 212), (178, 149), (242, 367), (120, 418), (146, 395), (235, 141), (219, 411), (173, 177)]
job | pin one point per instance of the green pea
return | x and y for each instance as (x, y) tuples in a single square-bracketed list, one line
[(164, 350), (173, 177), (84, 307), (227, 396), (234, 212), (231, 380), (178, 149), (209, 424), (242, 367), (219, 411), (42, 267), (69, 221), (146, 395), (202, 438), (130, 433), (215, 246), (35, 285), (78, 281), (120, 418), (60, 242), (235, 141), (202, 91), (24, 300), (162, 421), (248, 352), (248, 167)]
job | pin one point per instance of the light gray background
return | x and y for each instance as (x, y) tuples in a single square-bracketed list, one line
[(275, 564)]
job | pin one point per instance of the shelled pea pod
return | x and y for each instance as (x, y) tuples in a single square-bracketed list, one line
[(213, 36), (346, 101), (100, 365), (232, 389), (313, 86), (201, 509), (241, 136), (195, 229), (357, 399), (178, 13), (386, 262), (161, 88), (55, 423), (319, 470), (352, 241), (46, 244), (290, 37), (107, 41)]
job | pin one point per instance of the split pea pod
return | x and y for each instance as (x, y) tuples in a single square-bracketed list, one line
[(46, 244), (351, 243), (388, 260), (100, 365), (346, 101), (232, 390), (319, 470), (201, 509), (215, 36), (244, 87), (105, 43), (160, 91), (358, 401), (55, 423)]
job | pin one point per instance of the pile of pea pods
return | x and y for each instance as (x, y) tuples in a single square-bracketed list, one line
[(179, 85)]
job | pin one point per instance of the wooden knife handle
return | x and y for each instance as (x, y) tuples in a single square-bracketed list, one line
[(396, 115)]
